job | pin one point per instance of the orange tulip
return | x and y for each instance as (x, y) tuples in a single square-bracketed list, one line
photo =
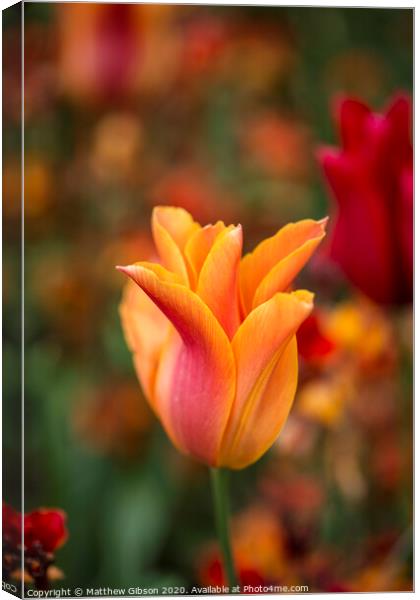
[(213, 336)]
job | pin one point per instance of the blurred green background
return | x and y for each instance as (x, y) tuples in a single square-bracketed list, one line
[(219, 110)]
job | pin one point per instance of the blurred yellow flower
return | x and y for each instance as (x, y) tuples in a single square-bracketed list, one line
[(363, 330), (323, 399)]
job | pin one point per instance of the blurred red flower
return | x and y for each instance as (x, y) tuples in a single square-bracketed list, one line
[(371, 178), (12, 524), (211, 574), (314, 345), (44, 532), (44, 527), (204, 42)]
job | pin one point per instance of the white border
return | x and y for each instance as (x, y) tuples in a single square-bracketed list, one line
[(294, 3)]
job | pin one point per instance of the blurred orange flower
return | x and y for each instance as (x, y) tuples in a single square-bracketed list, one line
[(258, 546), (357, 344), (191, 186), (278, 144), (39, 187), (361, 329), (323, 399), (292, 495), (117, 142), (260, 55), (67, 296), (112, 419), (110, 52)]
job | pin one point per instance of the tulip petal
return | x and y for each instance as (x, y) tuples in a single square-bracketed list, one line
[(145, 329), (282, 275), (351, 116), (172, 227), (195, 383), (199, 245), (274, 263), (399, 115), (218, 281), (266, 360), (360, 208), (399, 118)]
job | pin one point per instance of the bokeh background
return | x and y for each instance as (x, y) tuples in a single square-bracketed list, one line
[(218, 110)]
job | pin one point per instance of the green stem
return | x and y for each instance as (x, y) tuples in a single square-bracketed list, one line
[(221, 509)]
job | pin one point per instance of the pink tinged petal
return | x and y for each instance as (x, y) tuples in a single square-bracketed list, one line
[(145, 330), (273, 265), (172, 227), (218, 280), (266, 360), (351, 115), (195, 382)]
